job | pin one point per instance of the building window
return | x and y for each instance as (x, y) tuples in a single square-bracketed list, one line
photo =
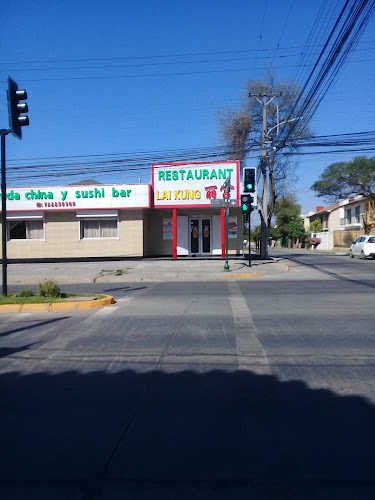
[(358, 214), (98, 228), (26, 230)]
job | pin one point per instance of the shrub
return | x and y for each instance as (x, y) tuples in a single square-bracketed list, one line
[(49, 288), (315, 241), (25, 293)]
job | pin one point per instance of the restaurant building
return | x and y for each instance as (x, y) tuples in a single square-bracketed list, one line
[(180, 214)]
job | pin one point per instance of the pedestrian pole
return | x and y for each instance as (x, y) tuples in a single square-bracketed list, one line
[(3, 133), (226, 265), (250, 239)]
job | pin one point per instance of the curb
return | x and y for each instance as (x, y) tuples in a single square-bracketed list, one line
[(286, 266), (57, 306)]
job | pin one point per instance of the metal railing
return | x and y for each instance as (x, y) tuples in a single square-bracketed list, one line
[(350, 221)]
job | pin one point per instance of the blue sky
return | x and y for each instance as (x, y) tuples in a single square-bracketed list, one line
[(136, 77)]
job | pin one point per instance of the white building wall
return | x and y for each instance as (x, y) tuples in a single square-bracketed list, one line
[(216, 235), (183, 235), (326, 240)]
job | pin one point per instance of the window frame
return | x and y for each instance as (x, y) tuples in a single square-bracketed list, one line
[(99, 219), (26, 220)]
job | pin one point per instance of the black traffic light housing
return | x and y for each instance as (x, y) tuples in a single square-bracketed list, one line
[(17, 108), (249, 179), (246, 203)]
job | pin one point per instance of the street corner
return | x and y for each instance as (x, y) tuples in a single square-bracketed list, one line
[(279, 261), (72, 305)]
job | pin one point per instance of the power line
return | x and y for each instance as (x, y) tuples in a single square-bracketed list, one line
[(138, 162), (151, 75), (191, 54), (282, 32), (204, 61), (343, 37)]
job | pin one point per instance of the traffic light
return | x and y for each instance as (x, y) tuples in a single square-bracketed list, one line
[(246, 203), (17, 108), (249, 179)]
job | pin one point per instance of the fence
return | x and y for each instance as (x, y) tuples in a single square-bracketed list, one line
[(345, 238), (326, 240)]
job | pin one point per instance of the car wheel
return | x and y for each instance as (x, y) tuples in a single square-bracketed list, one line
[(351, 254), (363, 256)]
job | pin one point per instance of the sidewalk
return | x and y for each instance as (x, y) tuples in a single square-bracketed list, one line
[(141, 270)]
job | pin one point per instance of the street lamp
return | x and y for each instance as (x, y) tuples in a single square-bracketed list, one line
[(282, 123)]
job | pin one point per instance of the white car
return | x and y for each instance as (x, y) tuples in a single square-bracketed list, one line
[(363, 247)]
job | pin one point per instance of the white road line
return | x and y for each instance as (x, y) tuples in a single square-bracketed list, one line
[(250, 353), (99, 315)]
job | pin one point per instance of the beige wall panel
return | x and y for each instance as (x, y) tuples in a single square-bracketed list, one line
[(154, 243), (62, 239)]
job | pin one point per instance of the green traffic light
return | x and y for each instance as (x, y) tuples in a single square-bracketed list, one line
[(244, 207), (249, 186)]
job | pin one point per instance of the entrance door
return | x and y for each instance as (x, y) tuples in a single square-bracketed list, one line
[(200, 236)]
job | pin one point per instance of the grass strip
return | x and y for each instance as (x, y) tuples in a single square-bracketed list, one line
[(13, 298)]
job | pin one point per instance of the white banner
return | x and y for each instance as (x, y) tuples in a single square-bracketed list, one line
[(193, 184), (77, 197)]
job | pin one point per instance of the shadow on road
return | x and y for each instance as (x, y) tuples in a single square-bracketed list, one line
[(36, 324), (154, 435)]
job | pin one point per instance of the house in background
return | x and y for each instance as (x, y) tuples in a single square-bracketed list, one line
[(343, 222), (328, 217)]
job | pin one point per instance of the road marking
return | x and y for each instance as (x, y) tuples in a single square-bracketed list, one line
[(239, 276), (99, 315), (250, 353)]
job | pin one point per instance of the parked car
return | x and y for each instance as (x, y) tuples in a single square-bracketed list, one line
[(363, 247)]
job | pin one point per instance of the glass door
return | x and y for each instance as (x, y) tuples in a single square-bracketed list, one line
[(206, 235), (200, 236), (194, 236)]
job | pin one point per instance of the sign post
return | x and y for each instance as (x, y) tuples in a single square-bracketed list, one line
[(226, 187)]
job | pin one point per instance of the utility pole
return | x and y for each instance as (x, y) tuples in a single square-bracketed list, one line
[(262, 97)]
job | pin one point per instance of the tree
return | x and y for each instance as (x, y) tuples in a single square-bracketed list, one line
[(255, 236), (315, 226), (296, 229), (288, 221), (242, 131), (347, 179)]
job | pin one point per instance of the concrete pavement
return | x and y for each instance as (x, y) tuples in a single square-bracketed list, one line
[(141, 270)]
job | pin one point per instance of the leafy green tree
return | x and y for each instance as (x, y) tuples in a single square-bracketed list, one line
[(274, 233), (315, 226), (346, 179), (288, 221), (255, 236), (296, 229)]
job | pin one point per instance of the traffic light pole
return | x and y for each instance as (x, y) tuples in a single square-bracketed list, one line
[(3, 133)]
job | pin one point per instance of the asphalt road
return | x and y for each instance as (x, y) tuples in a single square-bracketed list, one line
[(257, 388)]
